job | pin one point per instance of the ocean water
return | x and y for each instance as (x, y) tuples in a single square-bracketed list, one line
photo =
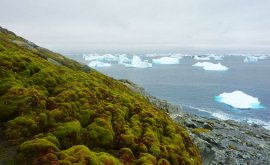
[(195, 89)]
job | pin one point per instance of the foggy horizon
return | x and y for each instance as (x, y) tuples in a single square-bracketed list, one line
[(140, 27)]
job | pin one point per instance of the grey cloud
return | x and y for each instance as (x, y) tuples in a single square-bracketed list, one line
[(194, 26)]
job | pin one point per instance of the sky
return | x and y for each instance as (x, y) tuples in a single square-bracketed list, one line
[(141, 26)]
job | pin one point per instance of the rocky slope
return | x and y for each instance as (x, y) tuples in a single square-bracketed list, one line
[(219, 142), (56, 111)]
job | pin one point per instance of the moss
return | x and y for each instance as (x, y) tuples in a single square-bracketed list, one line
[(233, 147), (199, 130), (126, 156), (64, 106), (99, 134), (38, 149), (68, 134), (146, 159)]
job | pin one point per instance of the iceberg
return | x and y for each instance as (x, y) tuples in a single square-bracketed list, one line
[(99, 64), (215, 67), (166, 60), (124, 58), (201, 58), (239, 100), (97, 57), (137, 63), (251, 59), (110, 57), (210, 66), (179, 56), (144, 65), (94, 58), (218, 58), (151, 55), (202, 64), (136, 60)]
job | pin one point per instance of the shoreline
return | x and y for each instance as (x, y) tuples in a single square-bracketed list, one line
[(219, 141)]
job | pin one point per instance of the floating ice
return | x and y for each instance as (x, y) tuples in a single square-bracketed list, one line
[(201, 58), (99, 64), (97, 57), (110, 57), (217, 58), (215, 67), (202, 63), (124, 58), (166, 60), (211, 66), (238, 99), (137, 63), (251, 59), (144, 65), (94, 58), (136, 60), (179, 56)]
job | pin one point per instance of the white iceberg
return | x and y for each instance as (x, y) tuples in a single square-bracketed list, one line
[(210, 66), (94, 58), (179, 56), (144, 65), (215, 67), (97, 57), (218, 58), (124, 58), (137, 63), (251, 59), (238, 99), (151, 55), (136, 60), (201, 58), (110, 57), (202, 64), (166, 60), (99, 64)]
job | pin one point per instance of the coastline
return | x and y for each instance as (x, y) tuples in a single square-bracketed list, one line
[(218, 141)]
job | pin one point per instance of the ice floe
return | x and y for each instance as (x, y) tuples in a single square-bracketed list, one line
[(99, 64), (201, 58), (179, 56), (218, 58), (211, 66), (137, 63), (238, 99), (97, 57), (251, 59), (166, 60)]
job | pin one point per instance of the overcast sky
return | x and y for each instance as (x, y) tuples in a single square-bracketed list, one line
[(141, 26)]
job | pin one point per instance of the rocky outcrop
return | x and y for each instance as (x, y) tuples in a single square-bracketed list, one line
[(220, 142), (27, 46)]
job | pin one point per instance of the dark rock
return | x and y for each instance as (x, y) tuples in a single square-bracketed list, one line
[(54, 62), (207, 126), (190, 123), (86, 68), (23, 44)]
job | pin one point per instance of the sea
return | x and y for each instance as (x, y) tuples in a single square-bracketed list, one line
[(195, 89)]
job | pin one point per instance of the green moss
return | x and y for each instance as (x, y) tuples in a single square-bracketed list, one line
[(30, 151), (200, 130), (99, 134), (233, 147), (66, 106), (68, 134), (146, 159)]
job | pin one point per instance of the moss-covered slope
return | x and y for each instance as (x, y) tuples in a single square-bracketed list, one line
[(65, 115)]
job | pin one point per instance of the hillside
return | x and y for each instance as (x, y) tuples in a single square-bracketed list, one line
[(54, 110)]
